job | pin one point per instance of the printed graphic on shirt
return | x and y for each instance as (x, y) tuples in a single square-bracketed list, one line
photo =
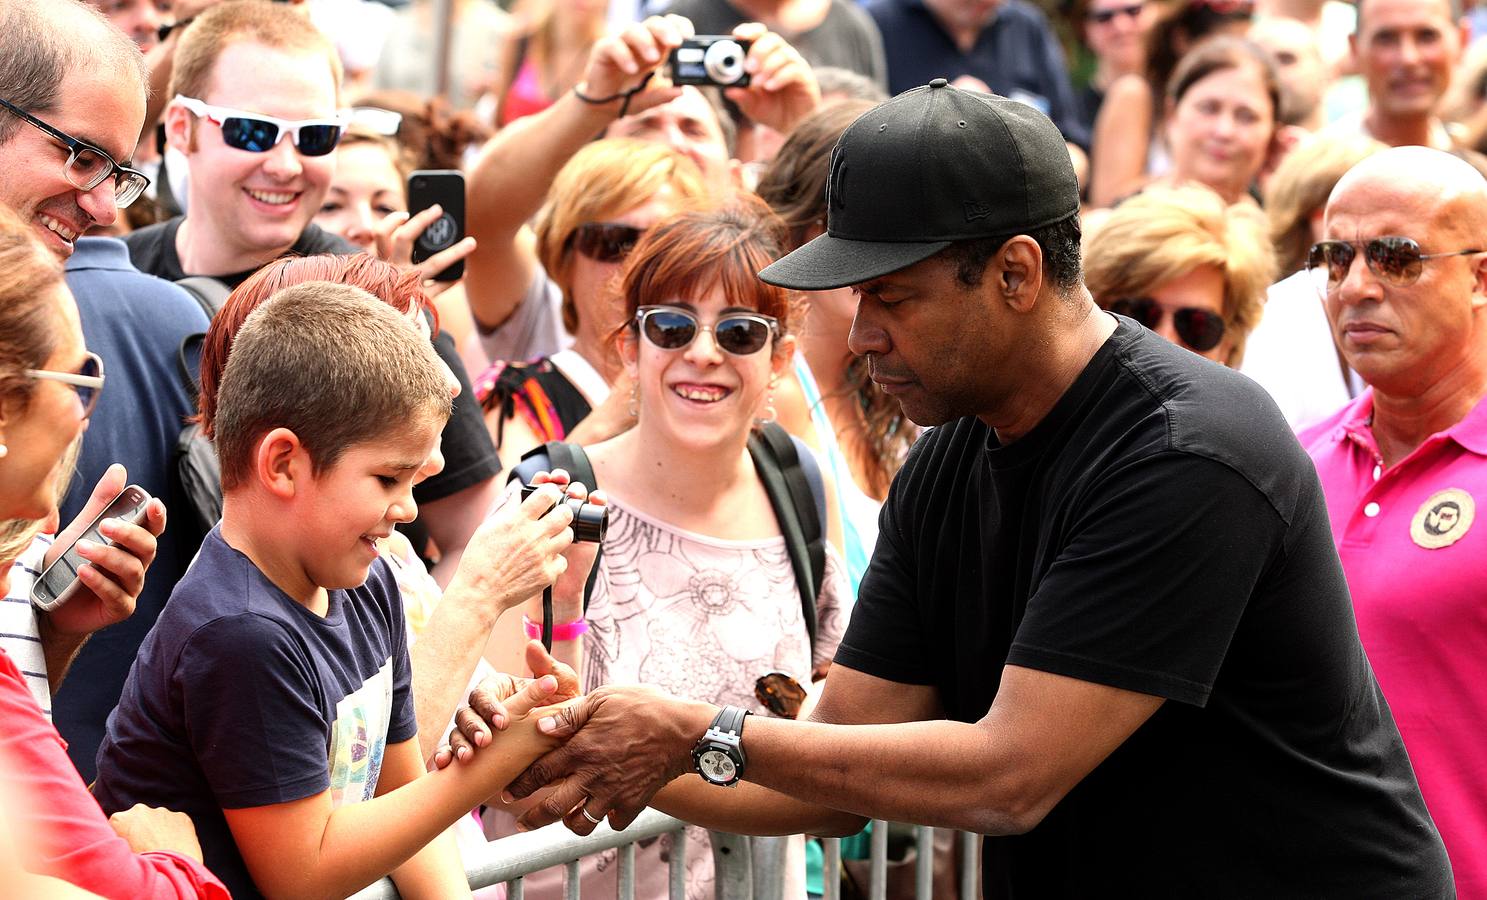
[(358, 738), (1444, 519)]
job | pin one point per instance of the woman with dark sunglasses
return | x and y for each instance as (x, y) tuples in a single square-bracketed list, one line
[(599, 204), (694, 591), (1185, 264), (49, 384)]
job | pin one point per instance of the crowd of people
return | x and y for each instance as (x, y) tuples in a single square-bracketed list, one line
[(1070, 415)]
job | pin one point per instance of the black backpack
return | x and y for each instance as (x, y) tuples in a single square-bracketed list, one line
[(198, 474), (791, 477)]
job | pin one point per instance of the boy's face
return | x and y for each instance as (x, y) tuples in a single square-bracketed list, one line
[(360, 499)]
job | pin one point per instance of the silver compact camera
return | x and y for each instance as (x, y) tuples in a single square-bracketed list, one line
[(710, 59)]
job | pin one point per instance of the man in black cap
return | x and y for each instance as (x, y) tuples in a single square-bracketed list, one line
[(1105, 621)]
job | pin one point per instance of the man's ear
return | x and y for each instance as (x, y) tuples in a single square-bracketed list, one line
[(1479, 286), (281, 463), (178, 127), (1020, 272)]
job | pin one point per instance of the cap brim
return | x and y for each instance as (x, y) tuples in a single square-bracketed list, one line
[(832, 262)]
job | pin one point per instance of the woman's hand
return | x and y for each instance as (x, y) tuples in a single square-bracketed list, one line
[(148, 828), (627, 60), (782, 88), (395, 235), (114, 573)]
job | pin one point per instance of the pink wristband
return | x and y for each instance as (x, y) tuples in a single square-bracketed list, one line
[(564, 632)]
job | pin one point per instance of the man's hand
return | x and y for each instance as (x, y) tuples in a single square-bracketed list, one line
[(149, 828), (114, 574), (518, 550), (782, 88), (624, 744), (624, 61), (395, 236), (492, 705)]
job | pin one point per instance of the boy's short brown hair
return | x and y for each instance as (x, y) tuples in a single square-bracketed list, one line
[(270, 24), (331, 363)]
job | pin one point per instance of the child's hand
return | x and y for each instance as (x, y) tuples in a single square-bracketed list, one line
[(149, 828), (501, 699)]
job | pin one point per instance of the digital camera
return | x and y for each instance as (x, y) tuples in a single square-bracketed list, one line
[(710, 59), (590, 520)]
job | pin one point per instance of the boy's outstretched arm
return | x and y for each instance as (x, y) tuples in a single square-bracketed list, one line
[(436, 871), (307, 848)]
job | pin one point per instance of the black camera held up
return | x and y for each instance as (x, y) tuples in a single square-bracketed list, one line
[(710, 59), (590, 521)]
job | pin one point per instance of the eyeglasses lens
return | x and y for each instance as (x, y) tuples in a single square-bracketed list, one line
[(741, 336), (1396, 260), (88, 394), (259, 136), (318, 140), (606, 242), (780, 694), (669, 330)]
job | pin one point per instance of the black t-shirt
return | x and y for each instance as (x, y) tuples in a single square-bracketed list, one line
[(1159, 531), (469, 454)]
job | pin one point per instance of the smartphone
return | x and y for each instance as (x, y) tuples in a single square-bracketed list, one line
[(59, 582), (445, 187)]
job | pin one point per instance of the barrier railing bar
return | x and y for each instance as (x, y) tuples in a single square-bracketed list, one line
[(678, 871), (970, 864), (627, 872), (924, 862), (877, 888), (733, 874), (831, 868), (572, 881), (516, 889)]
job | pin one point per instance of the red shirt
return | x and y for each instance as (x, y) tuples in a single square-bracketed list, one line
[(1414, 547), (66, 834)]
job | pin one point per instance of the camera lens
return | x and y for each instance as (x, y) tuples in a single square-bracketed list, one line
[(590, 521), (723, 62)]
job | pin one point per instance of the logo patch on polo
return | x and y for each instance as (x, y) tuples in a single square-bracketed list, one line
[(1443, 519)]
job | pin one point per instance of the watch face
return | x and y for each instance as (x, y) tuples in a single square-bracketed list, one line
[(716, 766)]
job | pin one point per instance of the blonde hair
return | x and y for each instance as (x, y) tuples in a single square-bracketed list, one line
[(1164, 233), (606, 178), (1300, 187), (271, 24)]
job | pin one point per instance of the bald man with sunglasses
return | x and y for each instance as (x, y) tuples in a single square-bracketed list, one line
[(1403, 274)]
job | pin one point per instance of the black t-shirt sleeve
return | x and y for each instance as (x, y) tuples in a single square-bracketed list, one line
[(1148, 588), (469, 453), (248, 704)]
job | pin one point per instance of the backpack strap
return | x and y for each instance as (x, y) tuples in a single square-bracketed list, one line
[(792, 479), (209, 293), (573, 459)]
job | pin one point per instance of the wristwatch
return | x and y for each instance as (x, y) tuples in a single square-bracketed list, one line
[(718, 756)]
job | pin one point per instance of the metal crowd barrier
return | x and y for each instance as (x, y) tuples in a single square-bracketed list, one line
[(745, 868)]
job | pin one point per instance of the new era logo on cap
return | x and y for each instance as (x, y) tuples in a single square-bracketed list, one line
[(933, 165)]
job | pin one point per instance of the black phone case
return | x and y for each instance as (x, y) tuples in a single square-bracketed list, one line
[(445, 187)]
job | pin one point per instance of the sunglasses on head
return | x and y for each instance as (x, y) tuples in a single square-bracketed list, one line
[(673, 328), (1393, 260), (257, 133), (606, 242), (1200, 329), (1106, 16)]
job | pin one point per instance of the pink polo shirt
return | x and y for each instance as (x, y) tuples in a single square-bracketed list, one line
[(1413, 543)]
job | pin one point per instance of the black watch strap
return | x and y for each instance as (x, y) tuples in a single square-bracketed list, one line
[(730, 719)]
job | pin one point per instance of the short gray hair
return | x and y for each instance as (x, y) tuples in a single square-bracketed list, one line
[(42, 47)]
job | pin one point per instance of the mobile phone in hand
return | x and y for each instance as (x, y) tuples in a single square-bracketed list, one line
[(59, 582), (445, 187)]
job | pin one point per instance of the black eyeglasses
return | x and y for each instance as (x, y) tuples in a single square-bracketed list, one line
[(87, 381), (88, 166), (1393, 260), (1106, 16), (672, 328), (257, 133), (1200, 329), (606, 242)]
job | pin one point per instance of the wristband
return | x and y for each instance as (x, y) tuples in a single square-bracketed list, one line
[(565, 632)]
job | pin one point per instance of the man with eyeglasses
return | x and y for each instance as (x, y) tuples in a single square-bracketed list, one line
[(72, 100), (1403, 273), (1104, 624)]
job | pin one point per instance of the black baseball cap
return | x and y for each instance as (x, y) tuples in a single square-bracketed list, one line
[(934, 165)]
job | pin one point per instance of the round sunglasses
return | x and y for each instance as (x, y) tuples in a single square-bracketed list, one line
[(258, 133), (671, 328), (1200, 329), (1392, 259)]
